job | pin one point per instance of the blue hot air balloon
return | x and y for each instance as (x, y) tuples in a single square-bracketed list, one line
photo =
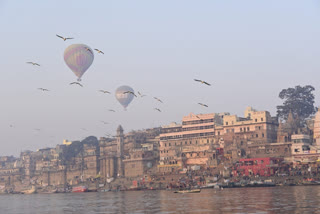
[(123, 97), (79, 58)]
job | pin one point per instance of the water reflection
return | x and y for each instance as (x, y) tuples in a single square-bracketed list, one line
[(249, 200)]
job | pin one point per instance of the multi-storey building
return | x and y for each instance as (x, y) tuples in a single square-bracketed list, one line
[(188, 144)]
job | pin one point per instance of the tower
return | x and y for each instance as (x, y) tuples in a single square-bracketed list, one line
[(120, 139)]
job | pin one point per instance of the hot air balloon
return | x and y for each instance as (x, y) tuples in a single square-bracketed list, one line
[(123, 96), (78, 57)]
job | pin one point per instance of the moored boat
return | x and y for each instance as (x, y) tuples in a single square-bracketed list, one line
[(188, 191), (79, 189), (30, 191)]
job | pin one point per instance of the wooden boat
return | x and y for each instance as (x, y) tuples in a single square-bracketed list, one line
[(49, 191), (80, 189), (188, 191), (30, 191)]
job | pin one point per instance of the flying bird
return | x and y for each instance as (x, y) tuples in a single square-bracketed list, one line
[(157, 109), (204, 105), (105, 92), (76, 83), (130, 92), (33, 63), (112, 110), (64, 38), (104, 122), (98, 51), (141, 95), (198, 117), (43, 89), (158, 99), (88, 49), (203, 82)]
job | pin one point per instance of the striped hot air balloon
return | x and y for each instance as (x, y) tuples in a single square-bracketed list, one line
[(79, 58), (124, 98)]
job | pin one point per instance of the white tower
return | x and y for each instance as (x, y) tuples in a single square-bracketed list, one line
[(120, 139)]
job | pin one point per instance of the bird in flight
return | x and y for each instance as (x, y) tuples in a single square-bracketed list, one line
[(105, 92), (99, 51), (104, 122), (33, 63), (130, 92), (158, 99), (204, 105), (112, 110), (64, 38), (141, 95), (198, 117), (203, 82), (76, 83), (88, 49), (157, 109), (43, 89)]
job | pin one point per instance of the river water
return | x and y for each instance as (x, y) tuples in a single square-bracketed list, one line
[(299, 199)]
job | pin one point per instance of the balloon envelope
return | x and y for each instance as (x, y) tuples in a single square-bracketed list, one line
[(78, 57), (124, 98)]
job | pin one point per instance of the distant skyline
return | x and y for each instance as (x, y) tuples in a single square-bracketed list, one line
[(248, 50)]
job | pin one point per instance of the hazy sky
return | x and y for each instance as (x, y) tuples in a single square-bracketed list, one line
[(248, 50)]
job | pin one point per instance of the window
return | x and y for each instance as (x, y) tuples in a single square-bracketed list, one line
[(207, 140), (261, 119), (259, 127), (257, 135), (240, 129), (226, 123), (256, 120), (218, 133), (248, 128), (241, 143), (261, 161), (190, 142), (196, 142), (232, 130), (185, 143), (165, 145), (169, 144), (262, 135)]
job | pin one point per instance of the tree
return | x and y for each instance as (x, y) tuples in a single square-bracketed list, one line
[(299, 101)]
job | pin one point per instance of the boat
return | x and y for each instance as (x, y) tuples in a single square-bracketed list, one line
[(49, 191), (30, 191), (104, 190), (188, 191), (80, 189)]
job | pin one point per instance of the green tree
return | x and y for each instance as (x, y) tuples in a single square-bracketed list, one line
[(299, 100)]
